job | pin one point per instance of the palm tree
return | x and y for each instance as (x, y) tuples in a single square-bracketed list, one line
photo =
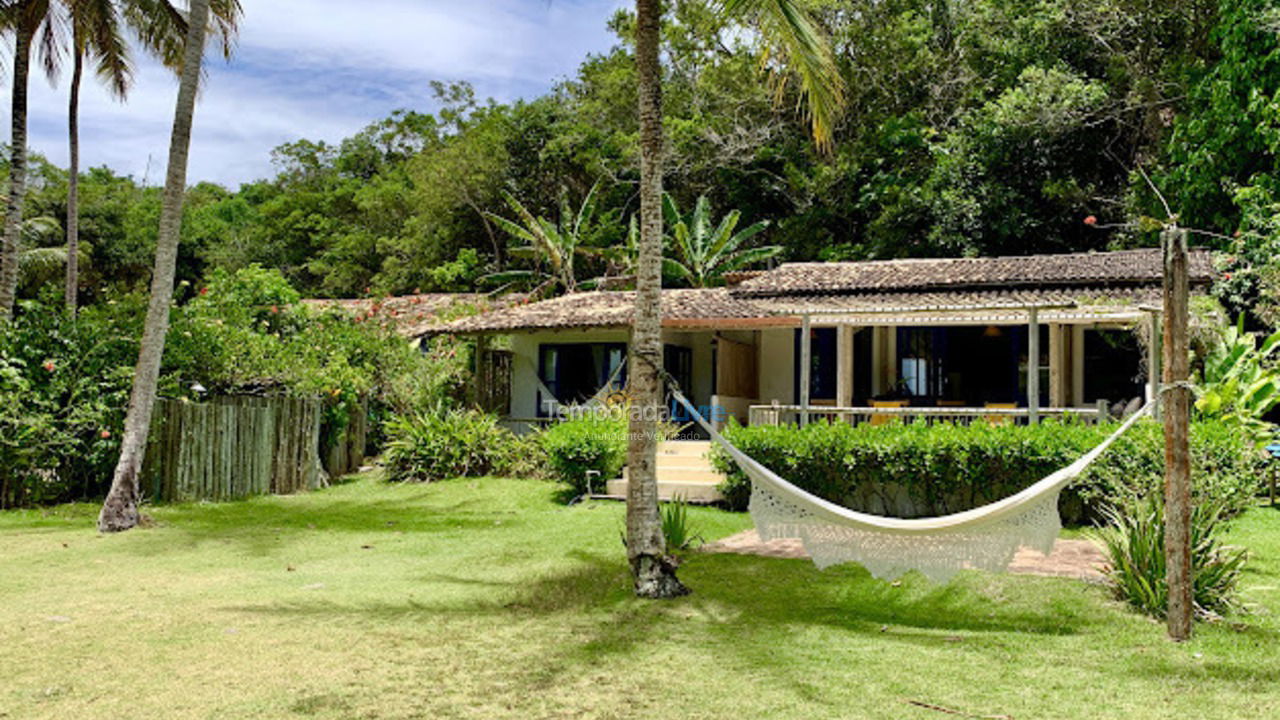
[(555, 243), (704, 254), (32, 23), (120, 510), (787, 25), (96, 37), (38, 260)]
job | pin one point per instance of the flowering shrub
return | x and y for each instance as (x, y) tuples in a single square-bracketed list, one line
[(65, 382)]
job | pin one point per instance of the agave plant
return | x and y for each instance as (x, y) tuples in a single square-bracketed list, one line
[(1134, 544), (550, 246), (677, 527), (1240, 380), (705, 251)]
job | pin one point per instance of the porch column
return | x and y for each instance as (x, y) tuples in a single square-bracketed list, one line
[(883, 352), (1077, 365), (1155, 342), (479, 384), (805, 343), (1033, 366), (1061, 371), (844, 365)]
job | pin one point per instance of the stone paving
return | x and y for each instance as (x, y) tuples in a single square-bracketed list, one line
[(1079, 559)]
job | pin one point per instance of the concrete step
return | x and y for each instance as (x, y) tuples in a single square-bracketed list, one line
[(684, 474), (684, 470), (684, 448), (694, 492)]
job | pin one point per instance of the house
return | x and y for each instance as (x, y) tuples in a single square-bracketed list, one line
[(948, 337)]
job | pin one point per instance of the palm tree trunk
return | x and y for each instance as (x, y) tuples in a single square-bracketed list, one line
[(120, 511), (17, 171), (73, 182), (654, 571)]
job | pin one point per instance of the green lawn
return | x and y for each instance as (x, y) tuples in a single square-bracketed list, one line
[(485, 599)]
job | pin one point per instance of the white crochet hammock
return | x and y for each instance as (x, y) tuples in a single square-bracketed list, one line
[(984, 538)]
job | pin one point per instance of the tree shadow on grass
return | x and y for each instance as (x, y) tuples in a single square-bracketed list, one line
[(260, 525), (734, 595)]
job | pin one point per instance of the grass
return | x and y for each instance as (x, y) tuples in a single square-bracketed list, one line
[(479, 599)]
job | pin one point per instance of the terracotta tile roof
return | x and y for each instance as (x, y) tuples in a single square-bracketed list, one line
[(607, 309), (412, 315), (1125, 267), (1081, 285), (1084, 299)]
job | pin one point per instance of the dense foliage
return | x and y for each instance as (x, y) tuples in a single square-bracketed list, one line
[(442, 444), (916, 469), (64, 382), (1240, 380), (589, 449), (1134, 543), (982, 127)]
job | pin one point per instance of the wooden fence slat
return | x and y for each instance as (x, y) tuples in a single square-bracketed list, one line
[(234, 447)]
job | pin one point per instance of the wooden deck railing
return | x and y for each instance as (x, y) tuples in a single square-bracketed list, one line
[(776, 414)]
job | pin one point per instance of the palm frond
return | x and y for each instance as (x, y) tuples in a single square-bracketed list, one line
[(789, 26)]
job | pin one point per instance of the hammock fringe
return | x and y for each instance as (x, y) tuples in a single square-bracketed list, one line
[(984, 538)]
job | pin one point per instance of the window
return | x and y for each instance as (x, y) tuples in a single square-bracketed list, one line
[(822, 364), (921, 352), (575, 372)]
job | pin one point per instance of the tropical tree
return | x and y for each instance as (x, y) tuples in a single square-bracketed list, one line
[(95, 35), (1241, 380), (32, 24), (120, 510), (787, 25), (704, 252), (97, 38), (39, 260), (550, 246)]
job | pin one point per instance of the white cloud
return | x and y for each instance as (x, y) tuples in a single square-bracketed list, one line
[(322, 69)]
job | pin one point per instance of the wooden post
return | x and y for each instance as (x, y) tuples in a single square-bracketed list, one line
[(1177, 414), (1154, 357), (805, 355), (479, 388), (844, 365), (1033, 366)]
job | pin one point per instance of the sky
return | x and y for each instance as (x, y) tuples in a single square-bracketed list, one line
[(321, 70)]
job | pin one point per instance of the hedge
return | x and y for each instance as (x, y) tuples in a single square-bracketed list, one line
[(590, 445), (917, 470)]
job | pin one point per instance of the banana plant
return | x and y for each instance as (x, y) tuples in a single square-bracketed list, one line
[(704, 252), (1240, 379), (551, 247)]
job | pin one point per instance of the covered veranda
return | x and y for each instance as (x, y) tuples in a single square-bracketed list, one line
[(957, 362)]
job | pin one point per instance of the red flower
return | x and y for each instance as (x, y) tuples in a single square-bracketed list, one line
[(49, 366), (104, 434), (204, 291), (274, 309), (1091, 221), (1226, 276)]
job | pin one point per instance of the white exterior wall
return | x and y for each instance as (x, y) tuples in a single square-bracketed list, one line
[(524, 371), (777, 364), (700, 343)]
